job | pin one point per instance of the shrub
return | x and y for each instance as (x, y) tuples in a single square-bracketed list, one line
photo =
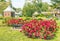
[(42, 15), (44, 29), (17, 22), (6, 19), (55, 18), (1, 18), (28, 18)]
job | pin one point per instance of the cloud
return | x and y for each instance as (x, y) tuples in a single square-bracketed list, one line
[(18, 3)]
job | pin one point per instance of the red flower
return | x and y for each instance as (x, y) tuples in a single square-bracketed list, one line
[(45, 37), (36, 27)]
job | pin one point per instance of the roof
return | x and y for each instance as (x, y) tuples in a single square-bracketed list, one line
[(9, 9)]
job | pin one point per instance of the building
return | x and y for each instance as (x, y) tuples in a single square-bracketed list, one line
[(18, 14), (9, 12)]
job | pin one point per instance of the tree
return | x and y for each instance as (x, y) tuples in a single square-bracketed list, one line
[(45, 7), (2, 1), (34, 5), (56, 3), (3, 5), (28, 10)]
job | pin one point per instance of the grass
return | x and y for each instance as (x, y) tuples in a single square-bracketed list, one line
[(7, 34)]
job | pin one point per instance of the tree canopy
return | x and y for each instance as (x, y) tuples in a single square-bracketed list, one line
[(56, 3), (35, 5), (3, 6), (2, 0)]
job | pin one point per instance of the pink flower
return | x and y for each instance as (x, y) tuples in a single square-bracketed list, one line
[(38, 27)]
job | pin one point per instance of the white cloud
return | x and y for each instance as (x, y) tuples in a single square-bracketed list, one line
[(48, 1), (18, 3)]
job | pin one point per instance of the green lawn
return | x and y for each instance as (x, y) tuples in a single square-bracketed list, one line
[(7, 34)]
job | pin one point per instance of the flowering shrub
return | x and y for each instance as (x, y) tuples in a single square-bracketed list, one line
[(15, 21), (44, 29)]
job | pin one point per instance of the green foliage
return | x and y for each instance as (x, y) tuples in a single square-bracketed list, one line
[(41, 15), (28, 18), (1, 18), (38, 6), (56, 3), (6, 19), (44, 7), (2, 0), (3, 6), (48, 15), (55, 18), (38, 18), (28, 10)]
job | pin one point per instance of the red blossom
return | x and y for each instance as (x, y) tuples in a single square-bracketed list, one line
[(36, 27)]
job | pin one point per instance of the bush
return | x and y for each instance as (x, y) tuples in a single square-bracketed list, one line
[(7, 18), (28, 18), (17, 22), (41, 15), (1, 18), (55, 18), (44, 29)]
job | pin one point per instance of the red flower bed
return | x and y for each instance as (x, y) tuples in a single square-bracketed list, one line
[(44, 29), (17, 22)]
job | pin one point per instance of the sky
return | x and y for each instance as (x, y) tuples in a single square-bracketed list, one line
[(20, 3)]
